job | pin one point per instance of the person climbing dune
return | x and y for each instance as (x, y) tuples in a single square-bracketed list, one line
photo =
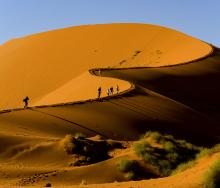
[(117, 89), (111, 90), (25, 100), (99, 92), (108, 92)]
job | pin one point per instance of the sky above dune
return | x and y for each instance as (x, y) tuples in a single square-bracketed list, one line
[(198, 18)]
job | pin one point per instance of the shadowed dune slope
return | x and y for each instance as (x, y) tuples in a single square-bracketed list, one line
[(124, 117), (194, 84), (44, 66)]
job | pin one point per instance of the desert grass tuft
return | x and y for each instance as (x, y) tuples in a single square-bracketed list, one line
[(130, 168), (184, 166), (126, 165), (211, 178)]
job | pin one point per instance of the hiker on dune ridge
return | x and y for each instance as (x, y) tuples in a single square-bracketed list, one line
[(25, 100), (117, 89), (111, 90), (99, 92)]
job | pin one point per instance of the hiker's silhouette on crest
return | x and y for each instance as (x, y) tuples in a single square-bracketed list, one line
[(25, 100)]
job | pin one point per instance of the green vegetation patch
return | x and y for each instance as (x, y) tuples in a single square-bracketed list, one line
[(211, 177), (89, 151), (167, 157), (131, 169)]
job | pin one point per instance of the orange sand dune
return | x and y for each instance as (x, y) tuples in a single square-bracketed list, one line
[(124, 117), (177, 94), (190, 178), (194, 84), (41, 64)]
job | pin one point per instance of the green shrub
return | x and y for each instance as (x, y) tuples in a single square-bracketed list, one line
[(142, 147), (126, 165), (208, 151), (211, 177), (184, 166), (204, 152), (165, 167), (165, 159), (154, 135), (172, 156), (169, 146), (131, 169), (150, 158)]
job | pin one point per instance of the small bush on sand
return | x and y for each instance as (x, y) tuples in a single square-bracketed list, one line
[(142, 147), (126, 165), (131, 169), (92, 151), (212, 176), (79, 136), (150, 158), (154, 135), (172, 156), (164, 167), (169, 146)]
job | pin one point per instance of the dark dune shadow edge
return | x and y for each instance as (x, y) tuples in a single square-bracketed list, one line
[(154, 102)]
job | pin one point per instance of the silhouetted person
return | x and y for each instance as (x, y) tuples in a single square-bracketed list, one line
[(99, 92), (117, 89), (108, 91), (25, 100), (111, 90)]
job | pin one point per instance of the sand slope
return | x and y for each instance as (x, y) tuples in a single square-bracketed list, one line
[(175, 92), (40, 64), (194, 84), (190, 178)]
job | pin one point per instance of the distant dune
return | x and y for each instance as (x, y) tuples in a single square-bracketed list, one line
[(169, 82)]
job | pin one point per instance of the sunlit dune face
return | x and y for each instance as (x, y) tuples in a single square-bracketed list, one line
[(44, 66)]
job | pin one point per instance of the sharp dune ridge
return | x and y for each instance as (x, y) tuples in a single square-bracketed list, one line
[(161, 74), (56, 54)]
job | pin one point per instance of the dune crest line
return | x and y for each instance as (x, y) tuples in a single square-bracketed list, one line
[(121, 93)]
